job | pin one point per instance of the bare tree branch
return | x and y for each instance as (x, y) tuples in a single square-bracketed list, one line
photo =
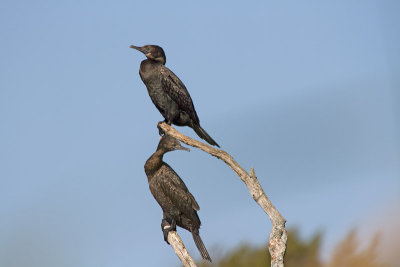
[(180, 250), (278, 235)]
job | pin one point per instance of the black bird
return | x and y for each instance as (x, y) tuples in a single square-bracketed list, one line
[(167, 92), (178, 204)]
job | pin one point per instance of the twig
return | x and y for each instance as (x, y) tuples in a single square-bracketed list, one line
[(278, 235)]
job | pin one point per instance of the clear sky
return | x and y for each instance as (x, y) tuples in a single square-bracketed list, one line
[(306, 93)]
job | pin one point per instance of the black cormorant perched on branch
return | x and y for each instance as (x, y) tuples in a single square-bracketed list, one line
[(167, 92), (178, 204)]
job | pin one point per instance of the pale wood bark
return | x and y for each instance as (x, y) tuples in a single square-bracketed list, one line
[(278, 235), (176, 243)]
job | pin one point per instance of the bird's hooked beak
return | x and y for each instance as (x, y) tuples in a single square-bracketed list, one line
[(180, 147), (141, 49)]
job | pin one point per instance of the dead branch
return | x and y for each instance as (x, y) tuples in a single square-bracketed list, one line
[(180, 250), (278, 235)]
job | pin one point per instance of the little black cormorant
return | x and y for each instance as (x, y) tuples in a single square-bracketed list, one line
[(178, 204), (167, 91)]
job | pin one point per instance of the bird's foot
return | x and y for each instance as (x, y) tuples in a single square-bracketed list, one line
[(161, 131), (166, 227)]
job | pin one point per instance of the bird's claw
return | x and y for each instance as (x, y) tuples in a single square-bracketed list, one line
[(166, 227), (160, 130)]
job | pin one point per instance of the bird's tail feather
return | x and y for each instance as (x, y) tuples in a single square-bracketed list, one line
[(200, 246), (204, 135)]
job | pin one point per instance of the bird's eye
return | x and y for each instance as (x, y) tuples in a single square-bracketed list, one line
[(147, 49)]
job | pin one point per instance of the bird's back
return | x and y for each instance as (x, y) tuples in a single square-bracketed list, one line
[(168, 93), (174, 198), (178, 92)]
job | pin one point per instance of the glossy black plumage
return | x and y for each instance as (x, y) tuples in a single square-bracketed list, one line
[(167, 91), (178, 204)]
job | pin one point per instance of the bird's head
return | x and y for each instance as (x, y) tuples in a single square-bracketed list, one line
[(153, 52), (169, 143)]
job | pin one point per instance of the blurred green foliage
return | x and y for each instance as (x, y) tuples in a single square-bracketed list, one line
[(303, 253)]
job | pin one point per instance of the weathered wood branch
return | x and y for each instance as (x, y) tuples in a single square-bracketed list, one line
[(180, 250), (278, 235)]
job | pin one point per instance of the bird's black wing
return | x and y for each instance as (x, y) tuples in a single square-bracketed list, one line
[(178, 92), (175, 189)]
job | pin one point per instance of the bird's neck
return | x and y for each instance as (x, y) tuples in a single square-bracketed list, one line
[(154, 162), (157, 60), (148, 65), (161, 60)]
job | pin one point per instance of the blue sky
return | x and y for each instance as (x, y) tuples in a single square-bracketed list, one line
[(306, 93)]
